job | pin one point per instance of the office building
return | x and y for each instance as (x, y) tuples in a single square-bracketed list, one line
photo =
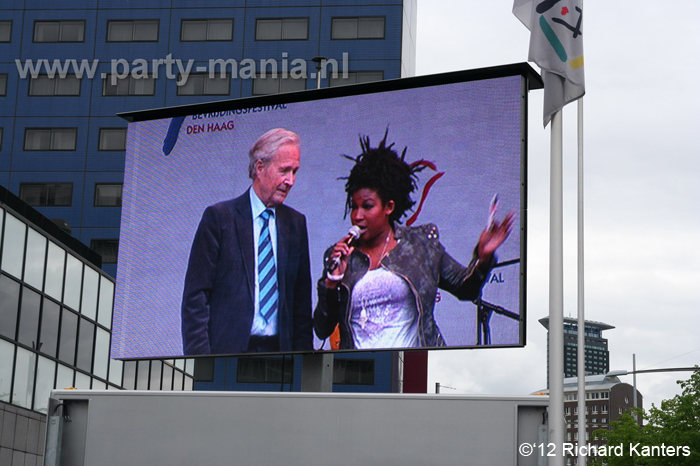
[(55, 329), (62, 148), (62, 152), (61, 145)]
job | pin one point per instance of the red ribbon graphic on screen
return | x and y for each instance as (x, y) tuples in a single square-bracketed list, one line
[(426, 188)]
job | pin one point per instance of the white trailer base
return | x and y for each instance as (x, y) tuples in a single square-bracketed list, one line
[(110, 428)]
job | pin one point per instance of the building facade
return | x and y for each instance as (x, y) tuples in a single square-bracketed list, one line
[(606, 399), (67, 68)]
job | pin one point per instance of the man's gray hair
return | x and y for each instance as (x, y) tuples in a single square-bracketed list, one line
[(267, 146)]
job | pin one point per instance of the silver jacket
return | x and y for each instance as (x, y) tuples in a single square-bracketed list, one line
[(421, 260)]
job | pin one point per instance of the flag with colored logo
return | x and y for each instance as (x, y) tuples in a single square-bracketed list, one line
[(556, 46)]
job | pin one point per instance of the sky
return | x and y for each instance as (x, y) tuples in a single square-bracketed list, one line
[(641, 188)]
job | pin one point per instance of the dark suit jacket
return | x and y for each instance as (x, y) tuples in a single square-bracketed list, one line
[(217, 301)]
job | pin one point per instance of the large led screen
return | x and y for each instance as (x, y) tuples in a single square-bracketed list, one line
[(465, 130)]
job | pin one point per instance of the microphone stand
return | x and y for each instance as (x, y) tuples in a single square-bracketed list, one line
[(484, 311)]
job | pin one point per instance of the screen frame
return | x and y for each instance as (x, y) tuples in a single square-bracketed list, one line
[(531, 80)]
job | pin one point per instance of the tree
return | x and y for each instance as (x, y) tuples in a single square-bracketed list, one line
[(670, 435), (677, 423), (624, 432)]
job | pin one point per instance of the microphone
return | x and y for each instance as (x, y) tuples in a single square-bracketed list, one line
[(354, 233)]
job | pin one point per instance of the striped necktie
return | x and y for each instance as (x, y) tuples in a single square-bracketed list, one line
[(267, 272)]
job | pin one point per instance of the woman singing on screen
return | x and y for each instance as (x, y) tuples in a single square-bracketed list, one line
[(382, 292)]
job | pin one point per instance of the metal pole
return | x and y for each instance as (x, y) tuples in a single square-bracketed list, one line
[(319, 62), (317, 372), (634, 382), (556, 294), (581, 336)]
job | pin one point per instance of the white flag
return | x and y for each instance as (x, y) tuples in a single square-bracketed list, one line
[(556, 46)]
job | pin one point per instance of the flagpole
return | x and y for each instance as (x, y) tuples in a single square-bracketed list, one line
[(556, 293), (581, 337), (556, 46)]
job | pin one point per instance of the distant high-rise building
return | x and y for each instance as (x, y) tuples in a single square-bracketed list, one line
[(597, 354)]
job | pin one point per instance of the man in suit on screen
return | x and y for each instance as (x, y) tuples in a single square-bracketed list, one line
[(248, 281)]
